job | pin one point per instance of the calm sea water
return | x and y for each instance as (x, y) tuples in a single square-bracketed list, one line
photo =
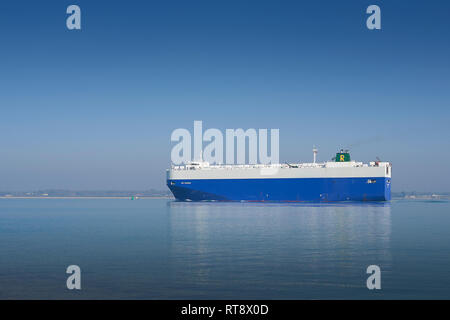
[(161, 249)]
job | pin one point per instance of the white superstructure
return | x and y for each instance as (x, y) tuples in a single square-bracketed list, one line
[(353, 169)]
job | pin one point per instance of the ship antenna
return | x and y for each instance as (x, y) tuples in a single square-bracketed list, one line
[(315, 153)]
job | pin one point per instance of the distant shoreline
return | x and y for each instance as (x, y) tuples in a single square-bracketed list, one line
[(85, 197), (172, 198)]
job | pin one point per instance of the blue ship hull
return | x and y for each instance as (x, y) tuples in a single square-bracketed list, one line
[(286, 189)]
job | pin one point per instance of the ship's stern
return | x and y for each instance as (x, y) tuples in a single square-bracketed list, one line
[(387, 182)]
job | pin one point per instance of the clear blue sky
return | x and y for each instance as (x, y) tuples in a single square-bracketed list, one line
[(94, 109)]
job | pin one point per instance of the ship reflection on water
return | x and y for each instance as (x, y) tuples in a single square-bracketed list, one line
[(252, 250)]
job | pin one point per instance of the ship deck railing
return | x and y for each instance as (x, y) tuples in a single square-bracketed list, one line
[(206, 166)]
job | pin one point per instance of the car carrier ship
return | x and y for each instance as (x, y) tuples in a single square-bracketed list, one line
[(341, 179)]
